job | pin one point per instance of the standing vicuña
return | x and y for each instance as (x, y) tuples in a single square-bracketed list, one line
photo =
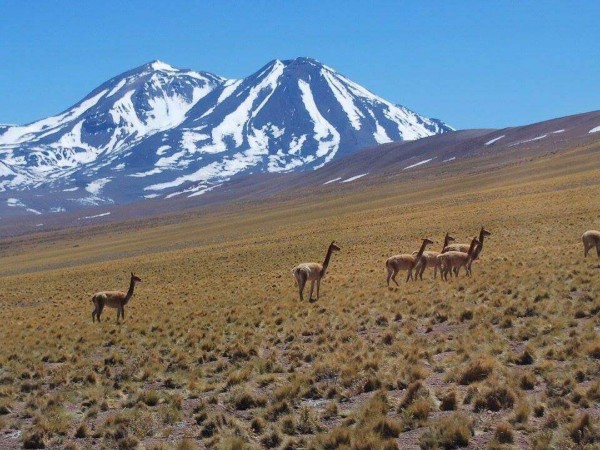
[(591, 239), (313, 272), (453, 260), (404, 262), (464, 248), (113, 299), (430, 259)]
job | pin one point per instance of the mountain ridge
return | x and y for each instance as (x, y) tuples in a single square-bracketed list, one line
[(159, 131)]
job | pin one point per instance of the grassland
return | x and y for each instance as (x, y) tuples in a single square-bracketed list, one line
[(217, 352)]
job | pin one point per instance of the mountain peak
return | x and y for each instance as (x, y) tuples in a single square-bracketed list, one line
[(161, 66), (302, 60)]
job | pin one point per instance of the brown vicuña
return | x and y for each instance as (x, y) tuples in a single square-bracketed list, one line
[(454, 260), (404, 261), (464, 248), (591, 238), (113, 299), (429, 259), (313, 272)]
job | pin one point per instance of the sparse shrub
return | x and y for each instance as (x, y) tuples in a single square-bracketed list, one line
[(467, 314), (4, 408), (594, 350), (200, 417), (187, 444), (472, 392), (271, 440), (334, 439), (306, 423), (82, 431), (243, 400), (504, 433), (371, 384), (541, 440), (150, 398), (551, 422), (331, 410), (276, 410), (388, 339), (414, 389), (420, 408), (527, 381), (522, 412), (538, 410), (208, 429), (258, 425), (128, 443), (581, 430), (477, 370), (448, 402), (494, 399), (34, 439), (448, 432), (388, 428), (288, 425), (526, 358)]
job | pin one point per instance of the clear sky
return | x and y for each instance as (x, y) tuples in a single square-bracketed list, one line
[(473, 64)]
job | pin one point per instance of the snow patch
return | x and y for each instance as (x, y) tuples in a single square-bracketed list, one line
[(344, 98), (117, 88), (95, 187), (93, 217), (348, 180), (529, 140), (333, 181), (159, 65), (449, 159), (326, 135), (594, 130), (419, 163), (14, 202), (494, 140)]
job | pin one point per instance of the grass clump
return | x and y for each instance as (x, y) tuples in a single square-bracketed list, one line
[(448, 432), (477, 371)]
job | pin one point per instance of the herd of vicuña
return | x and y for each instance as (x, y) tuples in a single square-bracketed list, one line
[(449, 261)]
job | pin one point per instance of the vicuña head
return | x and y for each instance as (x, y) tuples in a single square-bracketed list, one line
[(114, 299)]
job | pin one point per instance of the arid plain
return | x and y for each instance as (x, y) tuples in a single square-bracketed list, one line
[(216, 351)]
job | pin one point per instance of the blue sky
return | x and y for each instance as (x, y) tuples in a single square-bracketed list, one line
[(473, 64)]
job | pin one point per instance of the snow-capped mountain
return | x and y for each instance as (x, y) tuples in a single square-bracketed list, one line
[(157, 131)]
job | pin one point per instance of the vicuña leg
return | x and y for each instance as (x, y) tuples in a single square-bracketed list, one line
[(318, 287), (312, 287), (395, 272), (301, 283)]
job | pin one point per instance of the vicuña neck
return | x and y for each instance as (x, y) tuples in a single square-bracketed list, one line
[(446, 241), (130, 291), (421, 250), (472, 247), (327, 258)]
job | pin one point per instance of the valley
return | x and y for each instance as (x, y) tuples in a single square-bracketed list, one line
[(216, 351)]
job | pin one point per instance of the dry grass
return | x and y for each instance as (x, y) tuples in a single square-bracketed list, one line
[(216, 351)]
